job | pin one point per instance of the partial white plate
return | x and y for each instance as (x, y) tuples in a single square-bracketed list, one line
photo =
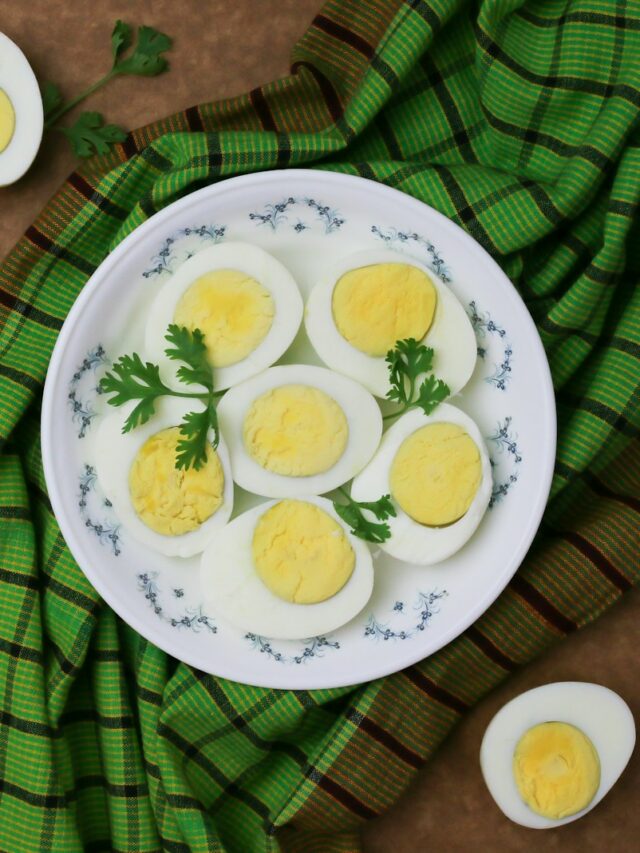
[(303, 217)]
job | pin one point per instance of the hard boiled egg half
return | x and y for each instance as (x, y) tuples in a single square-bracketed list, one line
[(21, 114), (287, 569), (298, 430), (437, 470), (366, 302), (245, 302), (173, 511), (550, 755)]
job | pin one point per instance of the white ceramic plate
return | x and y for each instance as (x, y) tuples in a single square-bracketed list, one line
[(303, 217)]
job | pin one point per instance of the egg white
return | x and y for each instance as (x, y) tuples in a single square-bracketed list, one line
[(19, 83), (252, 261), (234, 591), (114, 453), (597, 711), (411, 541), (361, 411), (451, 334)]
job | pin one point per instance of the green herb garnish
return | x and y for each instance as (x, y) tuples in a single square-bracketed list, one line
[(408, 361), (133, 379), (90, 134), (353, 514)]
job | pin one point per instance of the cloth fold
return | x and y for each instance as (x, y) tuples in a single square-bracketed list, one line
[(517, 119)]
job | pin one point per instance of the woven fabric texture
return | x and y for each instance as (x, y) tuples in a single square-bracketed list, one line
[(519, 120)]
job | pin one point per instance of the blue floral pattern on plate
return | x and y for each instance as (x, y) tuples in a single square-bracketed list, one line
[(181, 245), (394, 237), (192, 618), (506, 443), (484, 326), (315, 647), (96, 511), (411, 621), (83, 389), (276, 215)]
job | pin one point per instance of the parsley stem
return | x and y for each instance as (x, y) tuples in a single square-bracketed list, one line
[(190, 396), (69, 105)]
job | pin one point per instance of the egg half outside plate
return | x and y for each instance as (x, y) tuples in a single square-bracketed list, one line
[(551, 754), (298, 430), (174, 512), (21, 113), (364, 303), (244, 301), (437, 470), (287, 569)]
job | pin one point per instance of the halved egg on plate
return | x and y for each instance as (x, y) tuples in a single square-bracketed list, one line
[(245, 302), (21, 113), (173, 511), (298, 430), (551, 754), (437, 470), (288, 570), (366, 302)]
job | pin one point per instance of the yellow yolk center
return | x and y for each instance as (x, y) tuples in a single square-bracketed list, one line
[(233, 310), (436, 473), (295, 430), (168, 500), (300, 553), (7, 120), (375, 306), (557, 770)]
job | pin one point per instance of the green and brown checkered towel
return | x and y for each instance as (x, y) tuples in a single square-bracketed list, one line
[(519, 120)]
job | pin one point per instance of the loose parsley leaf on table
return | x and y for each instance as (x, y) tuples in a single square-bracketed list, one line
[(90, 135), (51, 98), (361, 526), (408, 361), (133, 379)]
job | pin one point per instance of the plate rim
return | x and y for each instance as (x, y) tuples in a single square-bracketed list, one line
[(281, 679)]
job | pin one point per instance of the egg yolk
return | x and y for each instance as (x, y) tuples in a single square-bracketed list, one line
[(375, 306), (436, 473), (295, 430), (557, 770), (233, 310), (300, 553), (169, 500), (7, 120)]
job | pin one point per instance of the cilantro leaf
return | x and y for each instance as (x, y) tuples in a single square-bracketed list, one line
[(146, 59), (89, 135), (51, 98), (120, 39), (132, 379), (361, 526), (192, 449), (431, 392), (189, 346), (407, 362)]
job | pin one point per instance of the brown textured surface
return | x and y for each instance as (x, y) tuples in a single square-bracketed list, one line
[(221, 48), (224, 47)]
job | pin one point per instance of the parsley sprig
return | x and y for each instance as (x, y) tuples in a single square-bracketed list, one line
[(353, 514), (90, 134), (408, 361), (133, 379)]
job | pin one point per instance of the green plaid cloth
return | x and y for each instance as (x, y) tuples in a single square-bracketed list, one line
[(517, 119)]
